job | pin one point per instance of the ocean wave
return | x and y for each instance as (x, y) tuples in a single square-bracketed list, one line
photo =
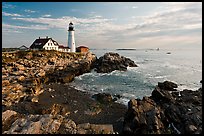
[(128, 95), (167, 64), (189, 87)]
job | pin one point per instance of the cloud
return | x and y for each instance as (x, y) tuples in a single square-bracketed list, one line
[(11, 14), (183, 17), (6, 31), (46, 15), (181, 24), (134, 7), (63, 22), (16, 27), (30, 11)]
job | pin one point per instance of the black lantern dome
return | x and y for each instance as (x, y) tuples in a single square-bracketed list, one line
[(71, 26)]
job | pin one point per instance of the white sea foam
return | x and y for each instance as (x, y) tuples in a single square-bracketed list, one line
[(138, 81), (129, 95), (167, 64), (182, 87), (123, 101), (160, 76)]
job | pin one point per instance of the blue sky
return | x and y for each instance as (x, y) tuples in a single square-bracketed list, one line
[(105, 24)]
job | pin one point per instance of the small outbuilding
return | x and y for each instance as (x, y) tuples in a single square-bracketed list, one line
[(23, 48), (62, 48), (82, 49)]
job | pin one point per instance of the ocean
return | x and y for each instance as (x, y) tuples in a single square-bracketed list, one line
[(182, 66)]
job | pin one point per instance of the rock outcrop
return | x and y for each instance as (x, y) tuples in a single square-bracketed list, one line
[(25, 75), (25, 72), (113, 61), (165, 112), (49, 124), (103, 98)]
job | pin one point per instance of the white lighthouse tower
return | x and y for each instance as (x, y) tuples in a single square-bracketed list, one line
[(71, 40)]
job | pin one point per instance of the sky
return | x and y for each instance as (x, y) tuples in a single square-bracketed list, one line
[(103, 25)]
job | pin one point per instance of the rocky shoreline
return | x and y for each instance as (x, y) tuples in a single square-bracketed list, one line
[(37, 99), (166, 111)]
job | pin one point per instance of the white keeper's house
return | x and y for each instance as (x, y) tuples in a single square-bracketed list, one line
[(48, 44)]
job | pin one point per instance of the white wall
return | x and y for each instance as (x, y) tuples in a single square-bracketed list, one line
[(71, 41), (64, 50), (50, 46)]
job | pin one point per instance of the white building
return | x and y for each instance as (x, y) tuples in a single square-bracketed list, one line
[(71, 40), (48, 44)]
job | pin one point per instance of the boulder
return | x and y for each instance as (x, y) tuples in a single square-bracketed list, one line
[(101, 129), (103, 98), (36, 124), (161, 95), (5, 83), (87, 128), (143, 117), (113, 61), (168, 85), (21, 78), (56, 109), (21, 67), (41, 73), (8, 117), (67, 78), (93, 109), (28, 56), (67, 127)]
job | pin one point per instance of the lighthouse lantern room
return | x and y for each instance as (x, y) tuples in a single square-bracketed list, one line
[(71, 40)]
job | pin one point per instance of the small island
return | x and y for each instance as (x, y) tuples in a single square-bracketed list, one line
[(126, 49)]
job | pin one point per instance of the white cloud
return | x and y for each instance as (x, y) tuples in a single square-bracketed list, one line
[(30, 11), (15, 27), (46, 15), (63, 21), (134, 7), (182, 17), (10, 31), (11, 14)]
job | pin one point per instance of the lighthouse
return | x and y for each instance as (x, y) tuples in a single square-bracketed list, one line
[(71, 40)]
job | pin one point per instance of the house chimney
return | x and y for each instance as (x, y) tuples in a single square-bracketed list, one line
[(46, 37), (39, 37)]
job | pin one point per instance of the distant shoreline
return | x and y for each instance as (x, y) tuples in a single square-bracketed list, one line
[(126, 49)]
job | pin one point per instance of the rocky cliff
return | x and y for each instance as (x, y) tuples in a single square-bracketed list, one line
[(25, 72), (28, 107), (166, 111)]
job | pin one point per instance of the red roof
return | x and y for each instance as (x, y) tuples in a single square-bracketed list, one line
[(61, 46), (82, 47)]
